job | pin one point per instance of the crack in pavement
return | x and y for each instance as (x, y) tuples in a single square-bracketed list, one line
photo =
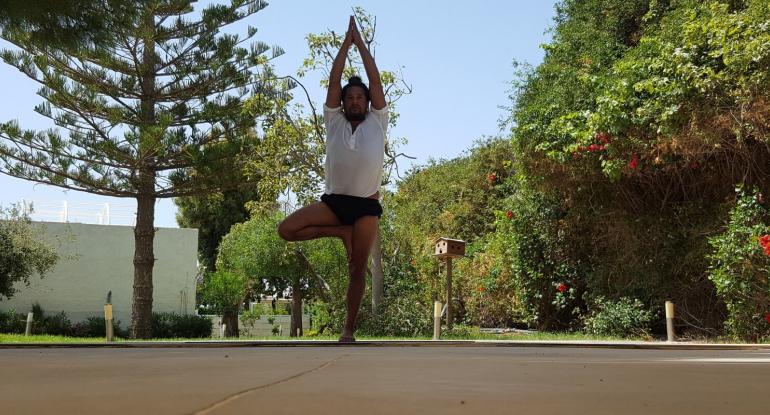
[(224, 401)]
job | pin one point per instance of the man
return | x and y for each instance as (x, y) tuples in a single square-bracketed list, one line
[(355, 151)]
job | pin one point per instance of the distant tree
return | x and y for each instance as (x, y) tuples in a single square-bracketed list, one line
[(224, 292), (22, 253), (213, 214), (157, 114), (273, 266)]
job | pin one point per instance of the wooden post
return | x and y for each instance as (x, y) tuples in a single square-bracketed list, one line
[(108, 322), (436, 320), (449, 293), (446, 249), (670, 321), (30, 317), (108, 318)]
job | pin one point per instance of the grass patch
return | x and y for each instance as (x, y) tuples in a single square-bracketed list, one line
[(472, 335), (44, 338)]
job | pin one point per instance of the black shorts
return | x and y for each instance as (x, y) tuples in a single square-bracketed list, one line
[(349, 209)]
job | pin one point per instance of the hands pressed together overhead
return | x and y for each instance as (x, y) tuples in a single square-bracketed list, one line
[(353, 36)]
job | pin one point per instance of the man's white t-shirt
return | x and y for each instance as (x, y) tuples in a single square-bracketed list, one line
[(354, 160)]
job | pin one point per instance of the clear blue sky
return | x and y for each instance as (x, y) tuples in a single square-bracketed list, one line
[(457, 57)]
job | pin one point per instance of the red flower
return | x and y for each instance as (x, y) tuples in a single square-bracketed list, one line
[(491, 177), (562, 287), (509, 214), (634, 162), (767, 317), (603, 138), (764, 242), (593, 147), (600, 147)]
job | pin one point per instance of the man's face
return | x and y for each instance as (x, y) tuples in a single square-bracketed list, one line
[(355, 104)]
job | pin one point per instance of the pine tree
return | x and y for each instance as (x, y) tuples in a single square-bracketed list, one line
[(153, 115), (65, 23)]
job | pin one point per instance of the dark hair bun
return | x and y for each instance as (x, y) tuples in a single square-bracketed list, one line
[(355, 80)]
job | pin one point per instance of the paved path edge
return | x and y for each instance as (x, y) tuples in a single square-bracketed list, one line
[(392, 343)]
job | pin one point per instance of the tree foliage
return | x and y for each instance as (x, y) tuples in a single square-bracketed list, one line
[(306, 270), (213, 216), (65, 23), (22, 252), (454, 198), (660, 111), (223, 293), (740, 267)]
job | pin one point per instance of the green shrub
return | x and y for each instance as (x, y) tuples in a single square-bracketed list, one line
[(249, 317), (172, 325), (624, 317), (57, 325), (96, 327), (11, 322), (320, 316), (401, 316), (740, 268)]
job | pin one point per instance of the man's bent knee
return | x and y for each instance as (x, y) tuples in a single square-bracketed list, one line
[(284, 232)]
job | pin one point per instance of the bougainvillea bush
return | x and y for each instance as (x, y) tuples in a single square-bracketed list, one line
[(740, 267)]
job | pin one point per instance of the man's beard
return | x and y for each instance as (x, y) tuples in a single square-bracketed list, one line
[(360, 116)]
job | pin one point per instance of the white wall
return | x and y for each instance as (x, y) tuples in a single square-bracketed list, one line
[(99, 258)]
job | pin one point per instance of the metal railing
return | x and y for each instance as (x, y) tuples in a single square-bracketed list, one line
[(80, 212)]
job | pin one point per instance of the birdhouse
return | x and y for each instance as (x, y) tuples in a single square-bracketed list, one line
[(449, 248)]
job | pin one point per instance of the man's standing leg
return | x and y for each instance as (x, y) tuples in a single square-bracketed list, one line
[(364, 233)]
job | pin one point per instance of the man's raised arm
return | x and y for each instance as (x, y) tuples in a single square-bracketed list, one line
[(376, 92), (334, 93)]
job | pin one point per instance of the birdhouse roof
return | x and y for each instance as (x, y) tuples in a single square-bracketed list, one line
[(449, 239)]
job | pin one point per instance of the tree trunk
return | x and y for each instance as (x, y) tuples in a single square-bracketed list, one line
[(296, 310), (144, 231), (144, 260), (230, 320), (378, 278)]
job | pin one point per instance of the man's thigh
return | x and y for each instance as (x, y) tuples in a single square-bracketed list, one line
[(314, 214)]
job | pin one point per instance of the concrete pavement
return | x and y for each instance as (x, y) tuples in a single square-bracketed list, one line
[(373, 379)]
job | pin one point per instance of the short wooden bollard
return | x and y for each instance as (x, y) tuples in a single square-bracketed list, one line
[(670, 321), (30, 318), (436, 320), (108, 322), (108, 328)]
